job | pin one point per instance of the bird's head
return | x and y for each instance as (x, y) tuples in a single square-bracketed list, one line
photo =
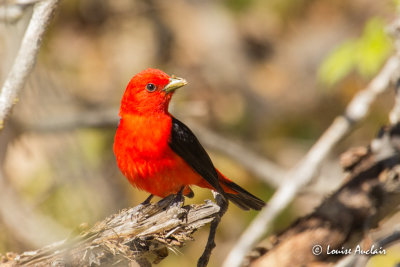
[(149, 92)]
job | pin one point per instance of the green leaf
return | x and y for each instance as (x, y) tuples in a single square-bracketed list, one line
[(338, 64), (373, 48), (365, 55)]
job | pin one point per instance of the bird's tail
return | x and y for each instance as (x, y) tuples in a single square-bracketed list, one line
[(239, 196)]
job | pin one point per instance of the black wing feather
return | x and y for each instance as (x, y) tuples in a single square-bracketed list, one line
[(184, 143)]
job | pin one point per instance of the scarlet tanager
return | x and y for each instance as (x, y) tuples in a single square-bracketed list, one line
[(160, 154)]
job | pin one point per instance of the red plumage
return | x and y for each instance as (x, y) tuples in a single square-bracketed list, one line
[(159, 154)]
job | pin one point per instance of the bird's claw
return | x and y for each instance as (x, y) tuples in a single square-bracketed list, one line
[(179, 199), (184, 216)]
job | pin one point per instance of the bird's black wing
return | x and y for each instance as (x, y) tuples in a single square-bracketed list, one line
[(184, 143)]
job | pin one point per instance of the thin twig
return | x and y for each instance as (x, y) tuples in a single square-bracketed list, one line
[(394, 115), (265, 170), (382, 243), (26, 57), (394, 31), (302, 174), (223, 206), (15, 213), (389, 239)]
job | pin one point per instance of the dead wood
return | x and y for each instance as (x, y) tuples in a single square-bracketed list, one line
[(370, 193), (142, 234)]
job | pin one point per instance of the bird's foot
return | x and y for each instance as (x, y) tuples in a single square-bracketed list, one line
[(179, 199), (147, 200), (184, 216)]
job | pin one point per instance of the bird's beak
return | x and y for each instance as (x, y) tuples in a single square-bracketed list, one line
[(174, 83)]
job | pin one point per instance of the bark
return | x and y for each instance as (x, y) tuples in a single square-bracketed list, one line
[(370, 193), (142, 234)]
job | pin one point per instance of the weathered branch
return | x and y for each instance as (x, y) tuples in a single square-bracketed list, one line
[(394, 115), (371, 193), (394, 30), (142, 234), (306, 169), (26, 57)]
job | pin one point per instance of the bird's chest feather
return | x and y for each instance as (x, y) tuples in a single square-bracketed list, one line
[(143, 137), (141, 145)]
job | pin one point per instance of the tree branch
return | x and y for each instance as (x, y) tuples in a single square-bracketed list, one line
[(265, 170), (26, 57), (302, 174), (142, 234), (371, 193)]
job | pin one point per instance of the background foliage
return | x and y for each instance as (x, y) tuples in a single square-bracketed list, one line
[(256, 69)]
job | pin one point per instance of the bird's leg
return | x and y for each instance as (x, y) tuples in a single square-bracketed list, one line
[(147, 200), (223, 207), (179, 198)]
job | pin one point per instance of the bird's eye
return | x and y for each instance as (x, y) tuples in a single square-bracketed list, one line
[(150, 87)]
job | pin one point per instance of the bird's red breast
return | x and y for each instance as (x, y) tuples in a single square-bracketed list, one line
[(145, 158), (160, 154)]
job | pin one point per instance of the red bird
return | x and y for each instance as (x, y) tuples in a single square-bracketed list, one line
[(160, 154)]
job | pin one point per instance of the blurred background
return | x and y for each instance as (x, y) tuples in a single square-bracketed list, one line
[(267, 76)]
